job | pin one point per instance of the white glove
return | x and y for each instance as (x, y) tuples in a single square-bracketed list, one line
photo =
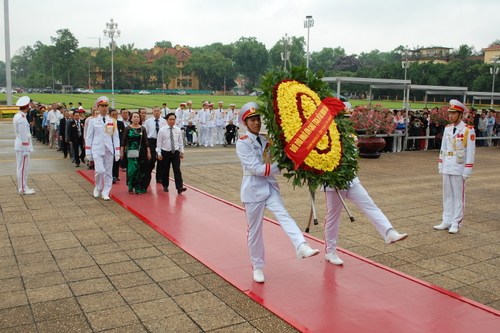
[(440, 171), (117, 158), (26, 153), (90, 158), (465, 177)]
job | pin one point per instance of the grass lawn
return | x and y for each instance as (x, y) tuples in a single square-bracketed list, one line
[(137, 101), (173, 101)]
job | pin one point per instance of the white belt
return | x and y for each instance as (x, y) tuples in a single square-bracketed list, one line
[(248, 173)]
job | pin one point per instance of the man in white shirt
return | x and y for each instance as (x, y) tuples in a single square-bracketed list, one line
[(54, 116), (153, 126), (164, 111), (170, 150)]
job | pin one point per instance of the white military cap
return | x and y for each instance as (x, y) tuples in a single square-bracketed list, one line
[(23, 102), (457, 106), (102, 100), (248, 110)]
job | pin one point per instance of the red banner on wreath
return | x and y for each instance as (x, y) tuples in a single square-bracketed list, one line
[(308, 136)]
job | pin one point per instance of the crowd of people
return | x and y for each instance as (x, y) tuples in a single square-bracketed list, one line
[(432, 123), (140, 144)]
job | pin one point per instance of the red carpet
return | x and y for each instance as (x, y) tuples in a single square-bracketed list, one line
[(311, 295)]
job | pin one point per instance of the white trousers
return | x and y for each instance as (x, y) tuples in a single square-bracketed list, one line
[(209, 136), (453, 200), (203, 130), (22, 164), (103, 167), (255, 213), (358, 195), (219, 130)]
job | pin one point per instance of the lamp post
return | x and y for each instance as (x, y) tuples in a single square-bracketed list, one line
[(286, 40), (112, 32), (308, 23), (493, 71), (405, 64)]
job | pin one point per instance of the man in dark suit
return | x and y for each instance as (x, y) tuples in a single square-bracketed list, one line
[(120, 125), (63, 133), (75, 138)]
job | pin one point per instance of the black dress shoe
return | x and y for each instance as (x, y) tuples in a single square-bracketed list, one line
[(165, 189), (76, 166), (181, 190)]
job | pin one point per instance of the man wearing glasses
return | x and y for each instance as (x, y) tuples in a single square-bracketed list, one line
[(102, 145)]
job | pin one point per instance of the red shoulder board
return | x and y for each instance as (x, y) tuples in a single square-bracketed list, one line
[(469, 126), (448, 125), (244, 137)]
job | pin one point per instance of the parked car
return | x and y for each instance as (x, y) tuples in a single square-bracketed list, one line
[(3, 90), (171, 92), (48, 91), (145, 92), (17, 90), (126, 92)]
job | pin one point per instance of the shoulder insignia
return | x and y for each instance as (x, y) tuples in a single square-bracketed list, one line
[(244, 137), (448, 125), (469, 126)]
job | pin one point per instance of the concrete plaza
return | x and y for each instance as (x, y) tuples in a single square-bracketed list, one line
[(69, 262)]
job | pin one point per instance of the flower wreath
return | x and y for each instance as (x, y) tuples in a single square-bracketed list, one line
[(290, 100)]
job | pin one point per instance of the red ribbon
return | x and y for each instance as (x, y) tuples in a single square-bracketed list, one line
[(311, 132)]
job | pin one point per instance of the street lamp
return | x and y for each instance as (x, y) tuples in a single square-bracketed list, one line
[(308, 23), (112, 32), (405, 64), (493, 71), (285, 42)]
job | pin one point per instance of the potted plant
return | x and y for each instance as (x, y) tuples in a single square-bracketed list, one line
[(368, 122)]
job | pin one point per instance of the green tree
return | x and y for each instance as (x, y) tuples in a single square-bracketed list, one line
[(211, 69), (66, 46), (251, 59), (163, 44), (164, 69), (324, 60)]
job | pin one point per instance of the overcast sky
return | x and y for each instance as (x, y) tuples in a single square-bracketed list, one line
[(356, 25)]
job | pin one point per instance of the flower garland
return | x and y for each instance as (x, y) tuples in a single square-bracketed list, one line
[(286, 106), (294, 104)]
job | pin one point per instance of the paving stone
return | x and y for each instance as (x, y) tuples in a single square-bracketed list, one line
[(68, 324), (49, 293), (112, 318), (181, 286), (91, 286), (101, 301), (215, 317), (17, 316), (175, 324), (157, 309), (130, 280), (55, 309), (144, 293)]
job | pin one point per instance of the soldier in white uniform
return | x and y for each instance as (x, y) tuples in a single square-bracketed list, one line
[(23, 145), (102, 145), (456, 160), (235, 115), (220, 123), (210, 121), (358, 195), (202, 122), (260, 190)]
